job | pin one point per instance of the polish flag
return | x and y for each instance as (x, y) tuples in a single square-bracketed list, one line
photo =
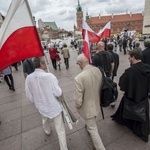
[(86, 48), (93, 37), (18, 35), (105, 32)]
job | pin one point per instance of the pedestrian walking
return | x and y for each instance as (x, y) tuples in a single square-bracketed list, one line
[(103, 59), (120, 44), (146, 51), (115, 58), (53, 51), (137, 47), (7, 72), (42, 89), (28, 67), (87, 88), (124, 43), (133, 110), (66, 55)]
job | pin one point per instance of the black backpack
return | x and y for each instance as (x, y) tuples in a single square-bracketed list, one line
[(109, 91)]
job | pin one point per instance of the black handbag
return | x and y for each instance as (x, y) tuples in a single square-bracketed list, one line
[(135, 111)]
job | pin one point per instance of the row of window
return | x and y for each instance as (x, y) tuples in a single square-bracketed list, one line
[(115, 24)]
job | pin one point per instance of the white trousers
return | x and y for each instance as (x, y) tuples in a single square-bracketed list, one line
[(92, 129), (60, 129)]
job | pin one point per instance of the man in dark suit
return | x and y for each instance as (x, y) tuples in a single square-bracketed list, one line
[(146, 52), (116, 60)]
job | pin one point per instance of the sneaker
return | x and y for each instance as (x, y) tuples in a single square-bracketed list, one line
[(47, 132), (113, 104)]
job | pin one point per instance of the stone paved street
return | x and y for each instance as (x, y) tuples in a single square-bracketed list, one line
[(21, 127)]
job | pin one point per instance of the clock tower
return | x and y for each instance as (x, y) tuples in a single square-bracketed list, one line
[(79, 16)]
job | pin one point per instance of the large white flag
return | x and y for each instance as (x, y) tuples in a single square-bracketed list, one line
[(93, 37), (18, 35), (105, 32)]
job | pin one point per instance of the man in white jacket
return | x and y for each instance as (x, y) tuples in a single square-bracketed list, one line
[(87, 102), (42, 89)]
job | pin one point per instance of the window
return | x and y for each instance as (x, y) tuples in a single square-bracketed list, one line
[(118, 30)]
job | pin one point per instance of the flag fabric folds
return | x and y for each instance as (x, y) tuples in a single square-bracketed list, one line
[(18, 35), (93, 37), (86, 48), (105, 32)]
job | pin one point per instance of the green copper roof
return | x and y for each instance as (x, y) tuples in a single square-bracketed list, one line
[(79, 8), (51, 24), (87, 16)]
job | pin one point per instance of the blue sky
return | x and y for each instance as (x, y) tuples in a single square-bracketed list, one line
[(64, 12)]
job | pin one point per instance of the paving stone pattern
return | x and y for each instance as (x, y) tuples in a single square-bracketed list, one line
[(21, 127)]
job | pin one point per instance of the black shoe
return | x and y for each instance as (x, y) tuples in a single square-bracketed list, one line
[(13, 89)]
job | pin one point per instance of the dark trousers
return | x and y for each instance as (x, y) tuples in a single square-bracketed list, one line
[(9, 80), (15, 65), (66, 61), (124, 49), (54, 63), (120, 48)]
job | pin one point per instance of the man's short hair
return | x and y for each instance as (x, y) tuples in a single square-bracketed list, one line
[(82, 58), (137, 44), (65, 45), (147, 43), (37, 61), (110, 47), (51, 45), (101, 45), (136, 53)]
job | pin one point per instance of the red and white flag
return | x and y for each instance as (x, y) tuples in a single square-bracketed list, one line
[(18, 35), (86, 48), (105, 32), (93, 37)]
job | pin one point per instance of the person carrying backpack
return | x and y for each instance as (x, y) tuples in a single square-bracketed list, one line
[(104, 60), (87, 101)]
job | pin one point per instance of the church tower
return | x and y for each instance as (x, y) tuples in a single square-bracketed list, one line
[(146, 21), (79, 16)]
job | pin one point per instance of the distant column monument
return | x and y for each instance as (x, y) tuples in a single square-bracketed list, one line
[(146, 21)]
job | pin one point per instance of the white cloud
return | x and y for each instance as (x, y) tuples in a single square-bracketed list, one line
[(64, 12)]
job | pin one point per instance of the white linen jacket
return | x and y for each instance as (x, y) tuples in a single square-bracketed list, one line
[(87, 91), (42, 89)]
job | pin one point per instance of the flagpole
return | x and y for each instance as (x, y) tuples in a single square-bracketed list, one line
[(30, 11), (45, 59)]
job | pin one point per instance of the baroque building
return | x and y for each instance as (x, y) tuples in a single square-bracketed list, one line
[(119, 22), (49, 30)]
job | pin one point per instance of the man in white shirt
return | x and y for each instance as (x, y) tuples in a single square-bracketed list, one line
[(42, 89)]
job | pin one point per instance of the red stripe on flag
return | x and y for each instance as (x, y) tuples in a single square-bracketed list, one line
[(93, 37), (105, 33), (86, 48), (21, 44)]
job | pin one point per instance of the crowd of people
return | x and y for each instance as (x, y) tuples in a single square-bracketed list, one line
[(43, 90)]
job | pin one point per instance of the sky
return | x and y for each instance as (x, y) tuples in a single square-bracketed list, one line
[(63, 12)]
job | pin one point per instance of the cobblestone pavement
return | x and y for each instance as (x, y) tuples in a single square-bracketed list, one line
[(21, 127)]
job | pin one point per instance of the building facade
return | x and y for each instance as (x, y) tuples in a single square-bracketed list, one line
[(119, 22), (146, 22), (49, 30)]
